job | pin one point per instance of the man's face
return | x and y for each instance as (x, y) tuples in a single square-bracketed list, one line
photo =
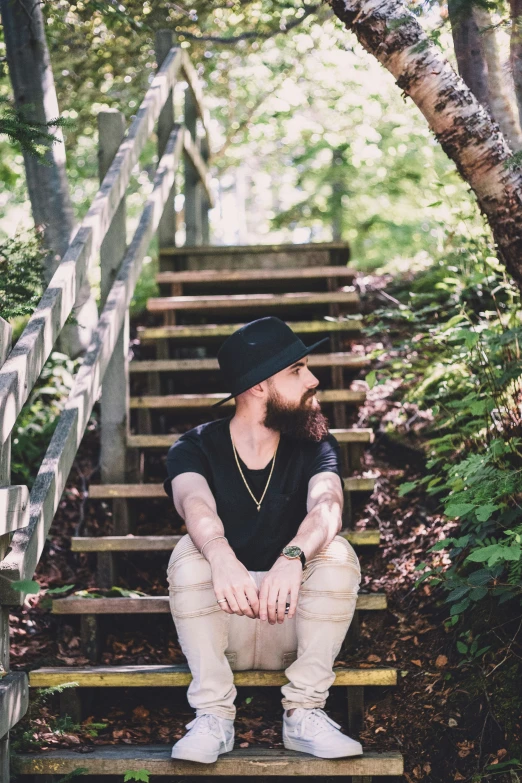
[(292, 407)]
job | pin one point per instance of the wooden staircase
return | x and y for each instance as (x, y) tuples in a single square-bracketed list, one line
[(205, 292)]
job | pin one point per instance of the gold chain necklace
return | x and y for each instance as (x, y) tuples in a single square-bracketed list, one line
[(258, 503)]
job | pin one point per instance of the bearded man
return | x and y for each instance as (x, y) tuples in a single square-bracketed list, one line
[(262, 580)]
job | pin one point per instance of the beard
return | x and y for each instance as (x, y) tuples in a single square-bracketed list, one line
[(297, 421)]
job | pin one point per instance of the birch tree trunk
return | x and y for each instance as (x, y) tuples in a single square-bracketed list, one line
[(515, 55), (468, 51), (35, 95), (499, 92), (463, 127)]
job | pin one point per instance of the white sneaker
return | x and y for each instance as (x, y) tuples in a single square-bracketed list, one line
[(208, 737), (312, 731)]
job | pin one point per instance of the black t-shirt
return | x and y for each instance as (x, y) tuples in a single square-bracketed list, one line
[(256, 537)]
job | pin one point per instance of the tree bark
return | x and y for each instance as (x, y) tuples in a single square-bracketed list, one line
[(468, 51), (516, 51), (499, 88), (35, 95), (464, 128)]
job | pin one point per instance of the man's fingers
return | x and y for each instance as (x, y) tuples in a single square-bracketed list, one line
[(242, 601), (263, 598), (271, 604), (251, 594), (229, 595), (294, 594), (281, 604)]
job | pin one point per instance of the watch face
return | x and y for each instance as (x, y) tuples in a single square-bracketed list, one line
[(292, 551)]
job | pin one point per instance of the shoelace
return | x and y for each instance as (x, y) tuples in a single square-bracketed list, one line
[(319, 719), (206, 724)]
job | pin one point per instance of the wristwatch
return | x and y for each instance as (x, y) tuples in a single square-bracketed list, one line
[(292, 552)]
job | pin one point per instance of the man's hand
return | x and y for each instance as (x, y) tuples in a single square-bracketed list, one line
[(283, 578), (231, 580)]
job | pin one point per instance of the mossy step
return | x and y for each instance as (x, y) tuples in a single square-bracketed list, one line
[(245, 275), (350, 326), (161, 304), (131, 543), (180, 676), (152, 604), (344, 359), (353, 435), (207, 400), (108, 491), (243, 762)]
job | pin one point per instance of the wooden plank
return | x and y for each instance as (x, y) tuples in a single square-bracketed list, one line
[(298, 249), (342, 358), (14, 503), (228, 301), (160, 604), (205, 400), (197, 94), (244, 275), (362, 435), (14, 700), (108, 491), (24, 364), (132, 543), (243, 762), (350, 326), (180, 676), (199, 165), (28, 543)]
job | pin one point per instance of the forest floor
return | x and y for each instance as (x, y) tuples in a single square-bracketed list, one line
[(439, 715)]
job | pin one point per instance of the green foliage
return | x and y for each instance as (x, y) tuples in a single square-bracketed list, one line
[(32, 137), (137, 774), (26, 586), (464, 353), (38, 418), (21, 274)]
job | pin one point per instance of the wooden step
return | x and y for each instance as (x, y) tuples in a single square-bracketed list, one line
[(108, 491), (132, 543), (160, 604), (359, 435), (246, 275), (255, 256), (179, 676), (340, 359), (161, 304), (348, 326), (207, 400), (243, 762)]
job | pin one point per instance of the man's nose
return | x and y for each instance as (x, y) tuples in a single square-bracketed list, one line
[(312, 381)]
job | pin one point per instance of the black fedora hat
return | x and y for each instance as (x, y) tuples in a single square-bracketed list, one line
[(258, 350)]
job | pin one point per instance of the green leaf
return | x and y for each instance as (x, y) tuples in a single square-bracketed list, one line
[(370, 378), (406, 487), (483, 554), (462, 648), (458, 509), (480, 577), (477, 593), (484, 512), (26, 586), (58, 590), (137, 774)]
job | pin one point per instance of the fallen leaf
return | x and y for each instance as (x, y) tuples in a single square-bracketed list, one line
[(417, 662), (374, 658), (441, 661)]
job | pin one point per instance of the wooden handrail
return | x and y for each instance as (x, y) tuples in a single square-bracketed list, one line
[(26, 360), (27, 544)]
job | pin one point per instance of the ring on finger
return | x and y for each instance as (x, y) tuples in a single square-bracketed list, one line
[(222, 600)]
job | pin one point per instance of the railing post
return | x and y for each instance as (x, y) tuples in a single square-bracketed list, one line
[(205, 206), (5, 479), (167, 225), (192, 184), (114, 399)]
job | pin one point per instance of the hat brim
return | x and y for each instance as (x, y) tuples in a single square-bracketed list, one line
[(295, 358)]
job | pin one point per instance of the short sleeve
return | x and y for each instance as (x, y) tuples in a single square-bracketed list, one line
[(327, 456), (185, 456)]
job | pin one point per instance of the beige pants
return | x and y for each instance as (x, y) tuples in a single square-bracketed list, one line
[(216, 643)]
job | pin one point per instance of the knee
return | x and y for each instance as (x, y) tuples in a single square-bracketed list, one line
[(187, 567), (335, 569)]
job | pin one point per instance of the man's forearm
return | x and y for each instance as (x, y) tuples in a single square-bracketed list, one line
[(203, 524), (319, 527)]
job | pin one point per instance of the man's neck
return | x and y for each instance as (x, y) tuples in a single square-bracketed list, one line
[(254, 442)]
